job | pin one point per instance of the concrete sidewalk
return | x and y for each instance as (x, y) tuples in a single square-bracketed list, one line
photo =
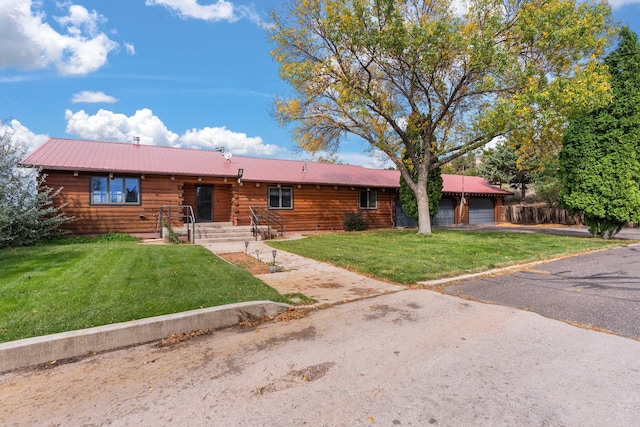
[(324, 282)]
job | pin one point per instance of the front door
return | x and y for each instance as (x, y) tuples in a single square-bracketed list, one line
[(204, 203)]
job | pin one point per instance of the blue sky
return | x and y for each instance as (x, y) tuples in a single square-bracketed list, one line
[(190, 73)]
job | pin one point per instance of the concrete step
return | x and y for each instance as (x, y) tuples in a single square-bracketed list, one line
[(217, 232), (224, 239)]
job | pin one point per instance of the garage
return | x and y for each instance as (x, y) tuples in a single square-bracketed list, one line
[(481, 210), (446, 212)]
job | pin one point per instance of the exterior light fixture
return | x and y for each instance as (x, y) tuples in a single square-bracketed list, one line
[(240, 173), (246, 247), (173, 177), (258, 254), (274, 252)]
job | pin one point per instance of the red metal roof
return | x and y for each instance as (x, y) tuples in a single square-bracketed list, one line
[(295, 171), (80, 155), (72, 154), (470, 185)]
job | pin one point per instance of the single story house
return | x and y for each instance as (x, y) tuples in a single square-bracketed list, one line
[(127, 187)]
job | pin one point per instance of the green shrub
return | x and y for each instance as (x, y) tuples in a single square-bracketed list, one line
[(172, 236), (354, 221), (110, 237)]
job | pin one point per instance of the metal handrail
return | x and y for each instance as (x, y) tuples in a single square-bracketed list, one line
[(262, 215), (186, 215)]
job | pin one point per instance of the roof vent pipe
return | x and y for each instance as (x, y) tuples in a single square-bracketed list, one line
[(304, 167)]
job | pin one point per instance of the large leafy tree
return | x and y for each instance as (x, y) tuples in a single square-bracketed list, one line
[(600, 158), (515, 68), (27, 213), (415, 122)]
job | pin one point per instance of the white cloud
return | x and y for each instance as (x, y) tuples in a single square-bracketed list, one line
[(22, 135), (131, 49), (91, 97), (619, 3), (376, 159), (28, 42), (80, 18), (110, 126), (234, 142), (221, 10)]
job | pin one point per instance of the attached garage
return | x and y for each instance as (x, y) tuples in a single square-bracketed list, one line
[(481, 210), (446, 213), (465, 200)]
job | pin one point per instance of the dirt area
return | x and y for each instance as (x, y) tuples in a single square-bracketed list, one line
[(246, 262)]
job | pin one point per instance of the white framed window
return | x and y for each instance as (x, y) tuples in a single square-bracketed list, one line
[(368, 199), (118, 190), (280, 197)]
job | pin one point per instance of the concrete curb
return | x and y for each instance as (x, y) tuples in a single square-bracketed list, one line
[(495, 271), (508, 269), (44, 349)]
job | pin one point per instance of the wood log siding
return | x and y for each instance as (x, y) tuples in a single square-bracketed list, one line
[(155, 191), (314, 208)]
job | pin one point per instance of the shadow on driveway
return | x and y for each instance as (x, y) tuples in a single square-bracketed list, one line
[(601, 289)]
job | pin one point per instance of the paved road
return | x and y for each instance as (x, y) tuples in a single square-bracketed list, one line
[(601, 289), (412, 358)]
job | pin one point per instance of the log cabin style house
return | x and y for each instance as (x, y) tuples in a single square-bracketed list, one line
[(129, 188)]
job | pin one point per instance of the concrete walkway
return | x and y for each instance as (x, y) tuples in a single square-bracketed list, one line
[(324, 282)]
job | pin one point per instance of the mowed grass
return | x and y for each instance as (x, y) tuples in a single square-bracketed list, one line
[(402, 256), (62, 287)]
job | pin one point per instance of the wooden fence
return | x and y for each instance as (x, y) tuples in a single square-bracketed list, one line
[(521, 214)]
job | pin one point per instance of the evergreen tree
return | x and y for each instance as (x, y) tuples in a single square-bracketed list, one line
[(599, 160), (547, 183), (501, 166)]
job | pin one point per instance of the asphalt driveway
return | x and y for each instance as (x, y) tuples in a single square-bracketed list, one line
[(600, 289)]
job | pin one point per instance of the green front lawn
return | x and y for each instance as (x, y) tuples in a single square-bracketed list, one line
[(62, 287), (402, 256)]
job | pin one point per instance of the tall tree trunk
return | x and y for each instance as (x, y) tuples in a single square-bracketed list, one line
[(424, 219)]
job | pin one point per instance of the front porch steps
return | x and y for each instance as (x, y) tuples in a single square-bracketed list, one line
[(218, 232)]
